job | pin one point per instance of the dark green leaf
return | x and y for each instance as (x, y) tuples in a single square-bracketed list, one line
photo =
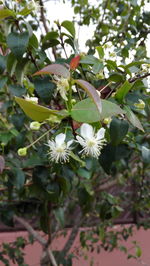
[(18, 43), (118, 130), (2, 63), (133, 118), (44, 88)]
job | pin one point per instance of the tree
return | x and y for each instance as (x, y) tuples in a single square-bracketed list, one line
[(74, 132)]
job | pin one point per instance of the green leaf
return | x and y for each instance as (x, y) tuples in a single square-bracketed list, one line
[(20, 70), (133, 118), (91, 91), (19, 178), (77, 158), (3, 81), (84, 173), (86, 111), (89, 60), (4, 13), (33, 41), (69, 26), (44, 88), (118, 130), (25, 11), (17, 90), (59, 215), (123, 90), (55, 69), (116, 77), (100, 51), (38, 112), (11, 64), (18, 43), (97, 67), (2, 63), (146, 154)]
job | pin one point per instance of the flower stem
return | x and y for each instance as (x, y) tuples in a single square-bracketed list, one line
[(30, 145)]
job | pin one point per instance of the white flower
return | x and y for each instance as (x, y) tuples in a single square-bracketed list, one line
[(34, 6), (91, 142), (59, 149), (62, 86)]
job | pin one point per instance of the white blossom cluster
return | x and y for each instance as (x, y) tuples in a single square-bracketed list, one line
[(91, 142)]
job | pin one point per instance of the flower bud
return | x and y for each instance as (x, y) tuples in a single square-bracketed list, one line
[(54, 119), (140, 105), (35, 125), (73, 101), (22, 151), (107, 120)]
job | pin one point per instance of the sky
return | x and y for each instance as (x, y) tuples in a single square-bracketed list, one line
[(57, 10)]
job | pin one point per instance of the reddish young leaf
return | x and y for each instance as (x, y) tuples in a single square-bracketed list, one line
[(74, 62), (91, 91), (55, 69)]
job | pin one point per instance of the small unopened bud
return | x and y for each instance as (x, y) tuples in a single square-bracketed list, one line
[(107, 120), (73, 101), (140, 105), (54, 119), (22, 151), (35, 125)]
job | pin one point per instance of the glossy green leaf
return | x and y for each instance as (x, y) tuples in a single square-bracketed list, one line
[(133, 118), (2, 63), (11, 63), (86, 111), (118, 130), (33, 41), (146, 155), (17, 90), (5, 12), (123, 90), (69, 26), (44, 88), (38, 112), (55, 69), (18, 42), (91, 91)]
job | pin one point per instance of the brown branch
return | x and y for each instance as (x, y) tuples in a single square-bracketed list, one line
[(73, 234), (131, 80), (37, 237), (43, 19)]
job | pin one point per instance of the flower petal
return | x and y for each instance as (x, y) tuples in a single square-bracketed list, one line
[(80, 140), (69, 143), (87, 131), (60, 139), (100, 133)]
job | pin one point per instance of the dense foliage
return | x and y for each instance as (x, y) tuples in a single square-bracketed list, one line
[(74, 131)]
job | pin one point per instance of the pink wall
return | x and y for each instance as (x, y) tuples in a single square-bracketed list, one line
[(115, 258)]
